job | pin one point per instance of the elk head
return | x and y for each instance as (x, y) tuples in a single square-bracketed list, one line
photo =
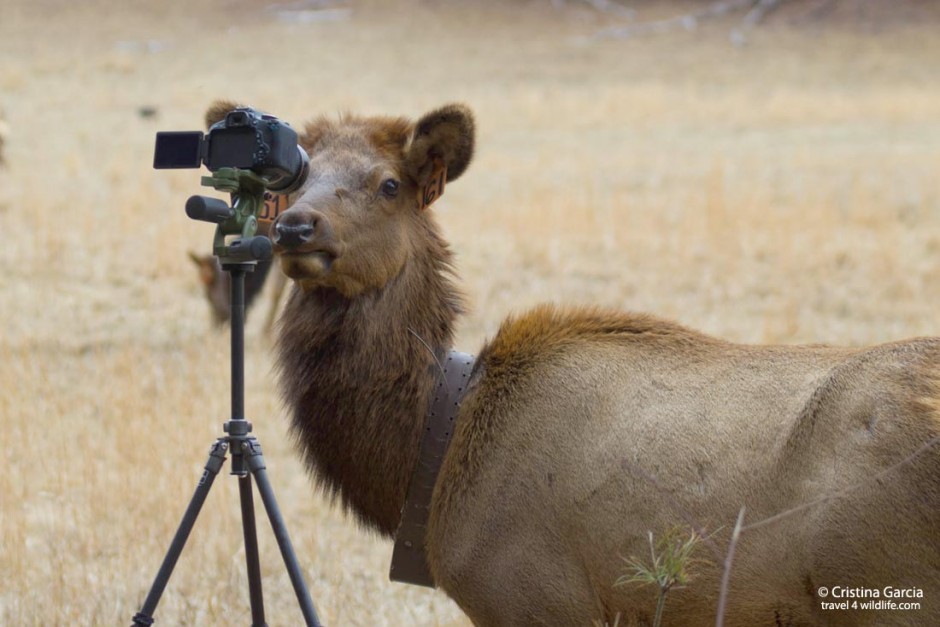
[(361, 215)]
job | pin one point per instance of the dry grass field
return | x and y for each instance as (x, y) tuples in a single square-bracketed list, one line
[(784, 191)]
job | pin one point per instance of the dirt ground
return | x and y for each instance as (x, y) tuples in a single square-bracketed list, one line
[(783, 191)]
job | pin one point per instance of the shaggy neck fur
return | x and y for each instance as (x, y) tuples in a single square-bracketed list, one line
[(358, 379)]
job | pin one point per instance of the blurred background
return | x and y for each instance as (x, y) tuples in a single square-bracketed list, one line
[(768, 172)]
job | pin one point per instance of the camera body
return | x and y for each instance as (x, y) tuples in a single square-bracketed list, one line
[(245, 139)]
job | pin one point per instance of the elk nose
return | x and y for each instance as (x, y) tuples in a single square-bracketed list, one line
[(294, 235)]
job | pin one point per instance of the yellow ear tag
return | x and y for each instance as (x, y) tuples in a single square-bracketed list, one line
[(274, 205), (435, 187)]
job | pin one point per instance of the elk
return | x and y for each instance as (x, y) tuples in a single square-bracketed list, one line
[(580, 430), (217, 286)]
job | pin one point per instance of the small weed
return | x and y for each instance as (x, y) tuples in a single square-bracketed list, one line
[(671, 559)]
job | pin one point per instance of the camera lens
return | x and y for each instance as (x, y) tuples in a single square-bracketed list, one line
[(291, 178)]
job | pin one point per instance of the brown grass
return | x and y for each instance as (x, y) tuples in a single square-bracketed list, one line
[(788, 191)]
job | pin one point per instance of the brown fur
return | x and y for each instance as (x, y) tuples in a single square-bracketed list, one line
[(585, 429), (218, 111), (444, 134), (616, 424), (277, 293), (365, 323), (217, 286)]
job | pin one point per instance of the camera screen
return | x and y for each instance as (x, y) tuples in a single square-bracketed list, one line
[(177, 149), (232, 148)]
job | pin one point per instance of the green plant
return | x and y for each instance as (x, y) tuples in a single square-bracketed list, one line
[(616, 622), (671, 559)]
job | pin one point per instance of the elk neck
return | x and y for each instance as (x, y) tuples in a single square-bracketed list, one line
[(357, 376)]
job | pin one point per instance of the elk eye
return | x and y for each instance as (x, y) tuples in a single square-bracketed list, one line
[(390, 188)]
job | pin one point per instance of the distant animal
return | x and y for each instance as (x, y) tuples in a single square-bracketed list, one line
[(217, 286), (582, 430)]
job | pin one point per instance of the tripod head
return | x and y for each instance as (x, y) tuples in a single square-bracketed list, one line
[(235, 240), (247, 152)]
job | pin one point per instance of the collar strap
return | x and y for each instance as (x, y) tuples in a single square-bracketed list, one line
[(409, 561)]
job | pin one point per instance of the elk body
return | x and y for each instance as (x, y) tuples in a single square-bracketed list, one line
[(583, 429)]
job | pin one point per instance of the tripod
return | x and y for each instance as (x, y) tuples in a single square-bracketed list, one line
[(247, 461)]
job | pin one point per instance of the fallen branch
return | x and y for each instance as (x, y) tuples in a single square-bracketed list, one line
[(753, 18), (726, 571), (757, 11), (841, 493), (614, 8)]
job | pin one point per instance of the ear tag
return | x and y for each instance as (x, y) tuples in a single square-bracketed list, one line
[(274, 205), (435, 187)]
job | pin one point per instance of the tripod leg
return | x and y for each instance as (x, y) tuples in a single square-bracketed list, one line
[(257, 467), (251, 552), (213, 465)]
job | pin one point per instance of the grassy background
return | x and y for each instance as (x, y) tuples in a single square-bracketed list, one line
[(783, 191)]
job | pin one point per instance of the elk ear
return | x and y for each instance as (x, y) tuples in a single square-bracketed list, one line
[(217, 111), (312, 133), (443, 135), (206, 266)]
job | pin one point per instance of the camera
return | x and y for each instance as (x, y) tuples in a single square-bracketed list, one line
[(245, 139)]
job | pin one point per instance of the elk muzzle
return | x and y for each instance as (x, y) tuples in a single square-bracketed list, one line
[(303, 231), (305, 242), (293, 236)]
